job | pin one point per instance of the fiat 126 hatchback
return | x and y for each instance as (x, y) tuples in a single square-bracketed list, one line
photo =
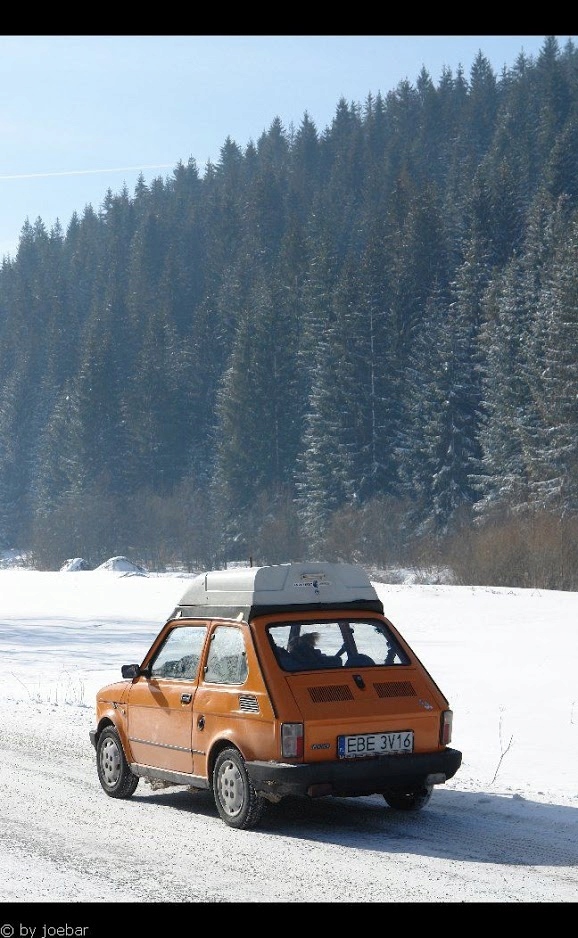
[(272, 681)]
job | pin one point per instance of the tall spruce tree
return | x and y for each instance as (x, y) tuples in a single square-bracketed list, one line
[(555, 458), (256, 421), (440, 441)]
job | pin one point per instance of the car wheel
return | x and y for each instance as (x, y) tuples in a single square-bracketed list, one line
[(410, 799), (237, 802), (113, 770)]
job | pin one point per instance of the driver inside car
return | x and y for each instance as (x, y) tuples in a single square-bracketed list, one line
[(306, 655)]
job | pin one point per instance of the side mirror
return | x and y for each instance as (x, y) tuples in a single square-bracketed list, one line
[(130, 671)]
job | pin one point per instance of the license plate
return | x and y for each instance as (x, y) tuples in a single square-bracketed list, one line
[(374, 744)]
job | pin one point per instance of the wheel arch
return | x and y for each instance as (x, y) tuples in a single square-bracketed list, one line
[(108, 720), (219, 745)]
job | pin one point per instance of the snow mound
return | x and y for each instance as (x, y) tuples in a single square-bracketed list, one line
[(74, 564), (122, 565), (13, 559)]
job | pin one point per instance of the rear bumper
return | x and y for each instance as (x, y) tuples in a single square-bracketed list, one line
[(355, 777)]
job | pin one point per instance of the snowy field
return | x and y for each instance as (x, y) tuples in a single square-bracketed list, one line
[(504, 829)]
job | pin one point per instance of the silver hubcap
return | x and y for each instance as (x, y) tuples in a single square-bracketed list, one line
[(231, 788), (110, 762)]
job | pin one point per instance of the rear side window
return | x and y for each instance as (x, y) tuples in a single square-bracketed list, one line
[(343, 643), (227, 659)]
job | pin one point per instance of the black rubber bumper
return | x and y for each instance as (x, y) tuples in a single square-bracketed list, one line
[(350, 777)]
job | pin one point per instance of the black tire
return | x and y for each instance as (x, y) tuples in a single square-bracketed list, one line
[(412, 799), (113, 770), (237, 802)]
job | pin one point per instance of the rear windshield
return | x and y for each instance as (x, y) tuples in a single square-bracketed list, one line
[(342, 643)]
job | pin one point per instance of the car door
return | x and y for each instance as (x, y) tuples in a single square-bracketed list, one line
[(223, 708), (160, 704)]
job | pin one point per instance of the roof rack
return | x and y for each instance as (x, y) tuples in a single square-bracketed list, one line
[(243, 592)]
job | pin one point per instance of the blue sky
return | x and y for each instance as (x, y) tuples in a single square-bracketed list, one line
[(82, 114)]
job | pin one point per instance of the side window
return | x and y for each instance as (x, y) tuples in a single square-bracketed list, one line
[(227, 659), (179, 655)]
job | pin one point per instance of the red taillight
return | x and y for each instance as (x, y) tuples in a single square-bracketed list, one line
[(446, 727), (292, 740)]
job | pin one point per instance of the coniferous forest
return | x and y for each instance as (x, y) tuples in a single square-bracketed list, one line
[(356, 343)]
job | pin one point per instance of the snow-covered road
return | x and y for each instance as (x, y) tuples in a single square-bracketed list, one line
[(67, 842)]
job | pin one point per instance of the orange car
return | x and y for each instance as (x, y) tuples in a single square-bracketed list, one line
[(274, 681)]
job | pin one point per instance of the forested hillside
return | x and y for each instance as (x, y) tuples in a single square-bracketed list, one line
[(357, 342)]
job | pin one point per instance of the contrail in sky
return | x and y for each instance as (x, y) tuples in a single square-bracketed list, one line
[(86, 172)]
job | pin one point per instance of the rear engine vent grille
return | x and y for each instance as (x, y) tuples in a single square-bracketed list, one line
[(395, 689), (331, 693), (248, 703)]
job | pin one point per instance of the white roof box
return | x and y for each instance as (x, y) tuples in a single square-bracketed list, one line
[(254, 589)]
